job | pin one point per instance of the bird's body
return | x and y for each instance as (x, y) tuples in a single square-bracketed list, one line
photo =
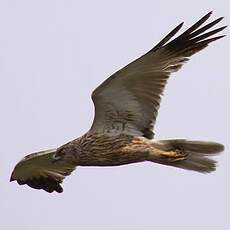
[(126, 107), (104, 150), (95, 149)]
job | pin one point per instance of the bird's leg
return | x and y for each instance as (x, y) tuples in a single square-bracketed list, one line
[(171, 155)]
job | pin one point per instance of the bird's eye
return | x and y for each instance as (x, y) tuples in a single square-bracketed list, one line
[(58, 155)]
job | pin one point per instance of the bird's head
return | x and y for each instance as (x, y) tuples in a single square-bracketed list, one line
[(66, 152)]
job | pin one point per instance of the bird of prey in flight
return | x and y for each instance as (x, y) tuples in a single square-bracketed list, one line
[(126, 106)]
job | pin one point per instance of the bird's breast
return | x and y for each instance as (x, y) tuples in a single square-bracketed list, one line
[(104, 150)]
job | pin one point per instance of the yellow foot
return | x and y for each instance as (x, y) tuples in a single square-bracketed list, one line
[(175, 155)]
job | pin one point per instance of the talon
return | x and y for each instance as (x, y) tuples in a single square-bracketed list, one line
[(180, 153), (174, 155), (176, 159)]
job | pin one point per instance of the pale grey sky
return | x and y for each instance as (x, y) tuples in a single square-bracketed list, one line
[(52, 55)]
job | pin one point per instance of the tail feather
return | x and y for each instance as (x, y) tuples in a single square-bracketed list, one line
[(203, 147), (195, 162), (197, 154)]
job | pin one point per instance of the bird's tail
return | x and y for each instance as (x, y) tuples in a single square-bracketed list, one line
[(186, 154)]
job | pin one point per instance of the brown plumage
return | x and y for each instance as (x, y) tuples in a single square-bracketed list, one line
[(126, 107)]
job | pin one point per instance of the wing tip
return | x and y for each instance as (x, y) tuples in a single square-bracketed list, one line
[(11, 178), (210, 13), (47, 184)]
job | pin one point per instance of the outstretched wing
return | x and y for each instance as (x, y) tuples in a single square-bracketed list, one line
[(40, 171), (129, 100)]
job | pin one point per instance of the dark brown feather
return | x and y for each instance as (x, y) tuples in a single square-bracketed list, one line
[(46, 183)]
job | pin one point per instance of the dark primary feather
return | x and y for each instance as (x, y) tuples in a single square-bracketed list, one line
[(187, 40), (48, 184), (167, 38)]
